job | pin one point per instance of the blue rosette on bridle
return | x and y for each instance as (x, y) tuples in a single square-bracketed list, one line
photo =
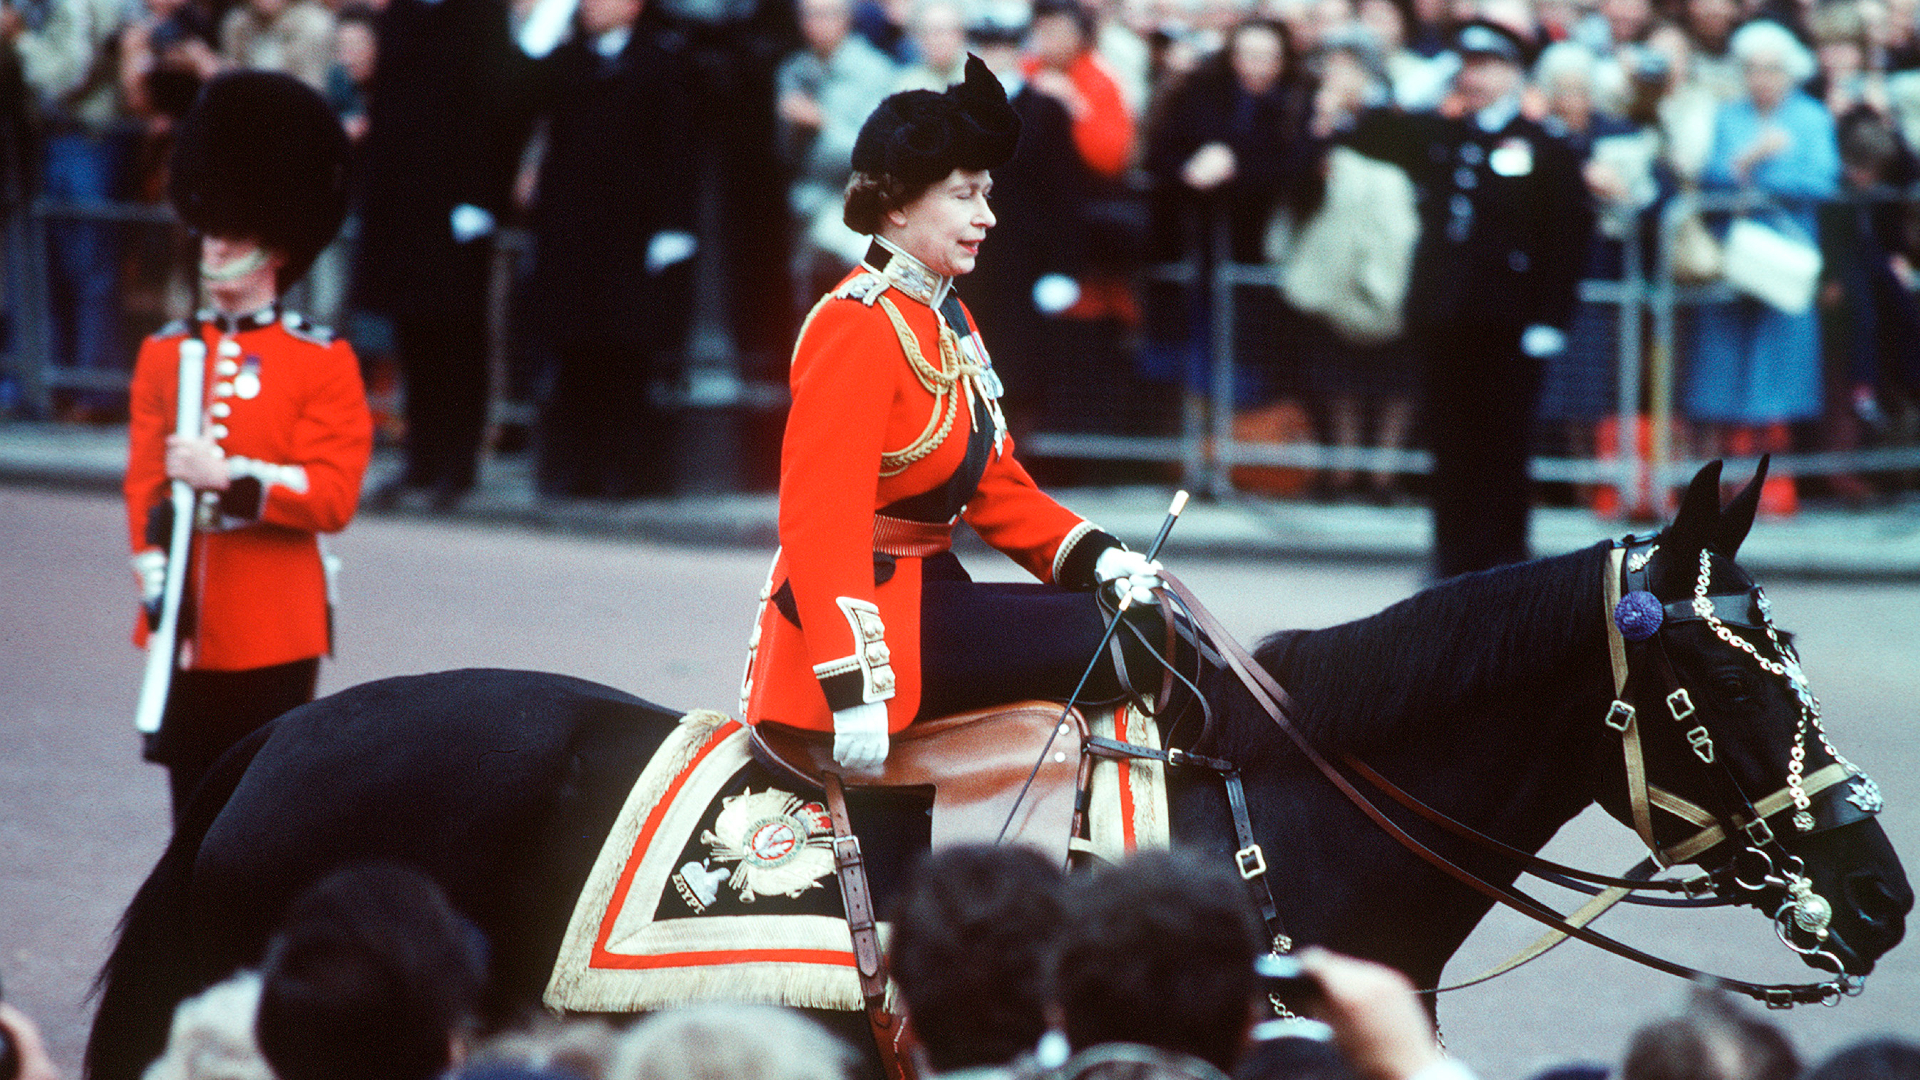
[(1638, 615)]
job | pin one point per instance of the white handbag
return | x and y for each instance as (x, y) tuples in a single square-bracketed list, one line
[(1349, 263), (1779, 270)]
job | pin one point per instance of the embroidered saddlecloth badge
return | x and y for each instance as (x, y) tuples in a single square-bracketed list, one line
[(783, 844)]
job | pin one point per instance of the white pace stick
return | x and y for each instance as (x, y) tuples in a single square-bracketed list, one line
[(163, 644)]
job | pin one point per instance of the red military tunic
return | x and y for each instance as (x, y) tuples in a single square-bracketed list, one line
[(287, 398), (866, 431)]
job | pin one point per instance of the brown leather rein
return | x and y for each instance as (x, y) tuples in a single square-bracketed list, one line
[(1275, 702)]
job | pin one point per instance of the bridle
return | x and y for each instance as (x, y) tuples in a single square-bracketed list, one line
[(1759, 864), (1636, 634)]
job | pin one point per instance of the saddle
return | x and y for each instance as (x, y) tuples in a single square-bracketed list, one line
[(977, 763), (1010, 773)]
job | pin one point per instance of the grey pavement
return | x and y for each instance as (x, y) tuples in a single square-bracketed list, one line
[(1879, 542)]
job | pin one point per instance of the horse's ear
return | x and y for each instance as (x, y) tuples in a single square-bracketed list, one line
[(1697, 525), (1737, 519)]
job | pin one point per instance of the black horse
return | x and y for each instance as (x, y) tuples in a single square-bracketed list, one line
[(1487, 696)]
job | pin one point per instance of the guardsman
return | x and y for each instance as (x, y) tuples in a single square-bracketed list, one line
[(1505, 227), (895, 435), (259, 173)]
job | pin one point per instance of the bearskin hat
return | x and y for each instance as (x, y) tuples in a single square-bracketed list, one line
[(919, 137), (262, 156)]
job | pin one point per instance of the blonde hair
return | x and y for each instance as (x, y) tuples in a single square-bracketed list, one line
[(730, 1042), (212, 1036)]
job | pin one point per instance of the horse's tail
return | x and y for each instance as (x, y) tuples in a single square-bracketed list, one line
[(152, 966)]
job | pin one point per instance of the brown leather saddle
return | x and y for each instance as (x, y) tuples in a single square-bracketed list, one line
[(1012, 773), (977, 764)]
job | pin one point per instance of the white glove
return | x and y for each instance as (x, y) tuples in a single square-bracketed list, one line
[(1055, 293), (150, 566), (1541, 341), (860, 737), (1141, 577), (546, 25), (469, 222), (669, 247)]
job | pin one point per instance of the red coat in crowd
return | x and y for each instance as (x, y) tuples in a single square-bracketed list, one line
[(1102, 122)]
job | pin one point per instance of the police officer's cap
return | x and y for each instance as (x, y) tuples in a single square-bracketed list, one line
[(1484, 37), (919, 137), (1001, 23), (261, 156)]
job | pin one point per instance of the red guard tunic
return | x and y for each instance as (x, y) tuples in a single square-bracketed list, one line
[(288, 399), (871, 425)]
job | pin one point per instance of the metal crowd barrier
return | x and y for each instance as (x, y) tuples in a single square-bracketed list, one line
[(1648, 314), (1205, 447)]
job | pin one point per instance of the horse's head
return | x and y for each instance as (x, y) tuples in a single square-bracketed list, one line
[(1736, 772)]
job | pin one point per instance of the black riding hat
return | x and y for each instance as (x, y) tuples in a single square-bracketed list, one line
[(919, 136), (261, 156)]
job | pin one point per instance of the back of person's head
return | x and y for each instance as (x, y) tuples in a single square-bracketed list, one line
[(372, 975), (576, 1047), (1132, 1061), (1714, 1039), (1873, 1059), (973, 936), (1294, 1058), (1159, 950), (212, 1036), (730, 1042)]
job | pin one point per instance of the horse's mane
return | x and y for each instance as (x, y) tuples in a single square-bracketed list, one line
[(1474, 639)]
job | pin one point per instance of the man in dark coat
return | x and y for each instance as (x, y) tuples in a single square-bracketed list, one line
[(1505, 225), (1039, 198), (445, 128), (613, 221)]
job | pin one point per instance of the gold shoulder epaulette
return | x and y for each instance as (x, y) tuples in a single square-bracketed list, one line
[(866, 288)]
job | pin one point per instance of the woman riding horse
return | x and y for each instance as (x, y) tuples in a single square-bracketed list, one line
[(1490, 698), (895, 433)]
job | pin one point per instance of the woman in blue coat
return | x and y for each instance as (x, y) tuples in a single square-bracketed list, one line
[(1756, 369)]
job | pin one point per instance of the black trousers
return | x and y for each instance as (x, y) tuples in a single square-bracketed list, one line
[(443, 359), (1480, 396), (600, 434), (990, 643), (209, 711)]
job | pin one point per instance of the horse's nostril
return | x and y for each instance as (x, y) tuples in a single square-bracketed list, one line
[(1876, 901)]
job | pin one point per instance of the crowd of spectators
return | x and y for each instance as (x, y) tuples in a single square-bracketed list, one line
[(1006, 970), (1149, 122)]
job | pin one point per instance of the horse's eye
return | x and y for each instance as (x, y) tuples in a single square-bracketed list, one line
[(1733, 687)]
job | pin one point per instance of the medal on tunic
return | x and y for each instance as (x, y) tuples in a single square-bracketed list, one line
[(246, 385)]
